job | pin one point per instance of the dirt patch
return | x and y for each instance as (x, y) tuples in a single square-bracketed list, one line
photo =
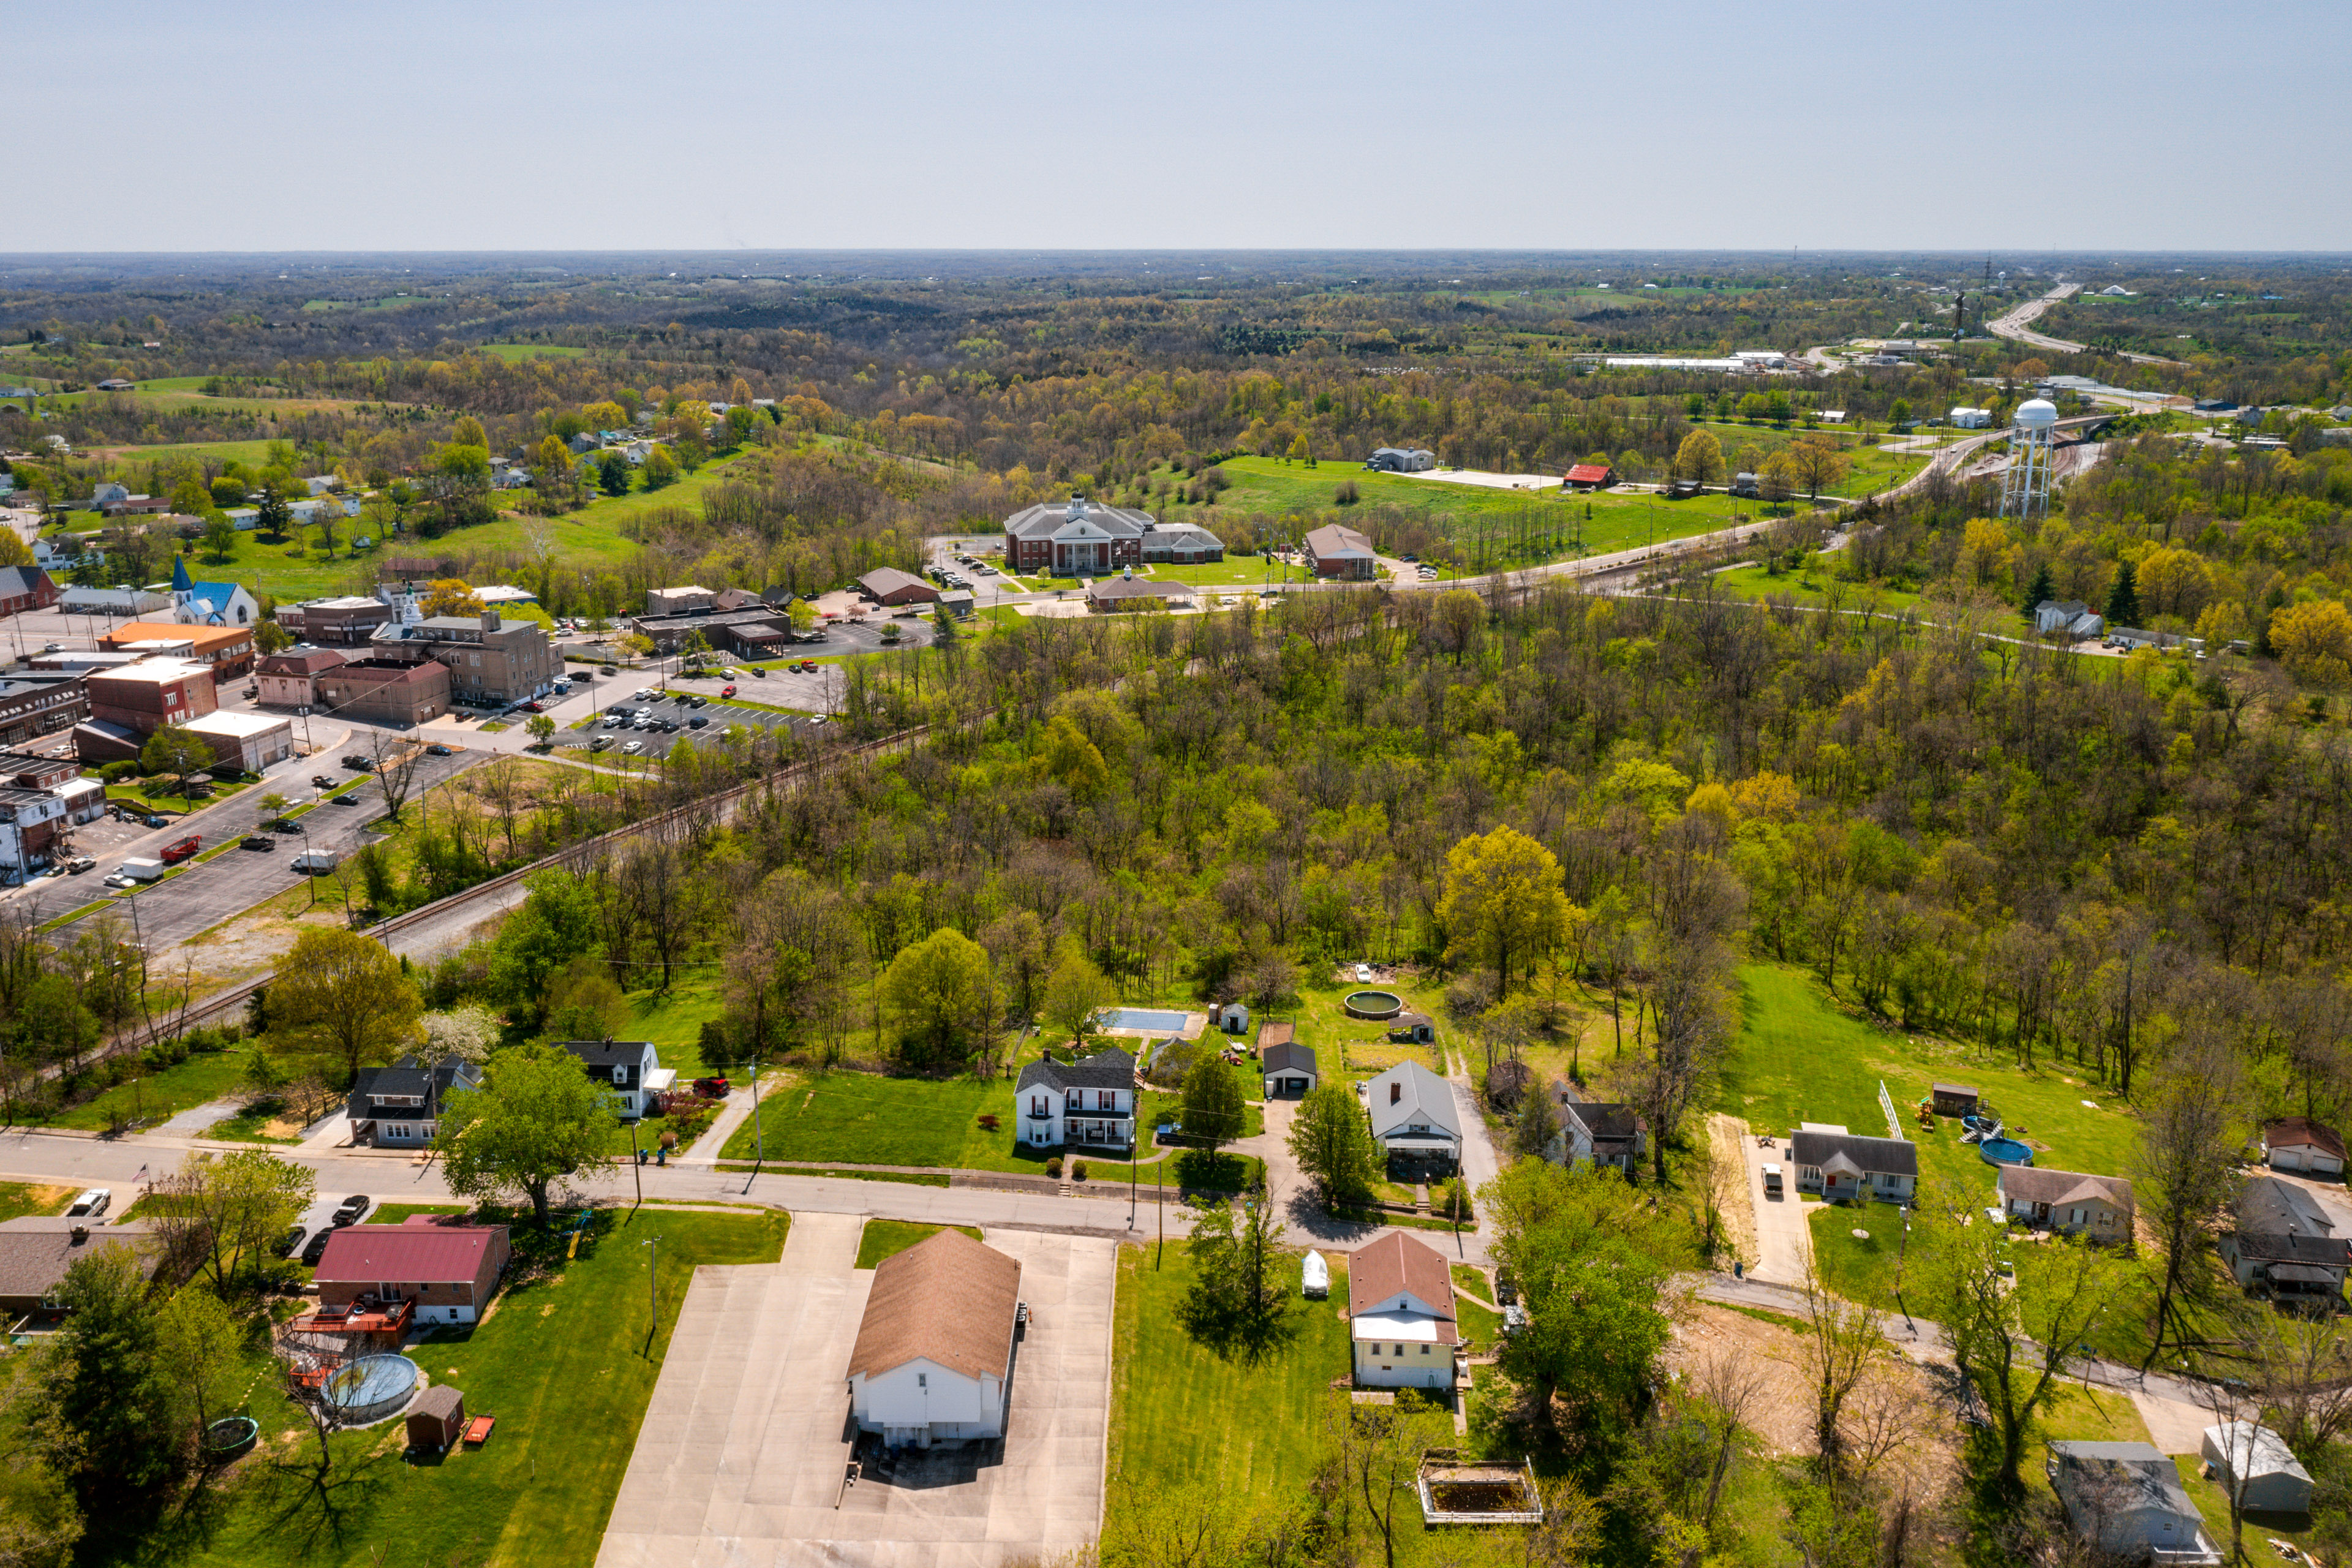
[(1728, 1137)]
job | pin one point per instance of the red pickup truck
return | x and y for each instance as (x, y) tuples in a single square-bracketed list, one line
[(173, 854)]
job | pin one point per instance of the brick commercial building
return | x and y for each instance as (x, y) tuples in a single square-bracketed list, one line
[(146, 696), (384, 692), (33, 705), (227, 651), (491, 663), (1337, 551), (888, 585), (350, 622), (683, 601), (289, 680), (746, 633)]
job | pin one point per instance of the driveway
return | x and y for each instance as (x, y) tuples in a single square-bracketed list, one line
[(742, 1453), (1784, 1241)]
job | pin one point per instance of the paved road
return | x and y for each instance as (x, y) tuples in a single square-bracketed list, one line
[(2013, 325), (227, 885)]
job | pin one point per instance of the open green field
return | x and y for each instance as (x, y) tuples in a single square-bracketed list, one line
[(206, 1074), (566, 1361), (1800, 1059), (254, 454), (884, 1239), (1813, 586)]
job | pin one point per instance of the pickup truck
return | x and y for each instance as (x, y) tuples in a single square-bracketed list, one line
[(173, 854)]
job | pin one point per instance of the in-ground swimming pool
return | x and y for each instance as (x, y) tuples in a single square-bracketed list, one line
[(1144, 1018)]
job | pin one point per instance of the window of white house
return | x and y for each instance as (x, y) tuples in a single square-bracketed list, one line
[(1106, 1099)]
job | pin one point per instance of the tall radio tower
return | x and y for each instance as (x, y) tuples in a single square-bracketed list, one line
[(2033, 442)]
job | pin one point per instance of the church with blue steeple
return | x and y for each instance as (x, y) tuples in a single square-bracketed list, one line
[(211, 604)]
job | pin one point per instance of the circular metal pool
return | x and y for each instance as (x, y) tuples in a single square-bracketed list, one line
[(2004, 1152), (371, 1388), (1372, 1003)]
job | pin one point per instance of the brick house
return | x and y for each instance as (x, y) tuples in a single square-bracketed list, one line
[(446, 1273), (1337, 551)]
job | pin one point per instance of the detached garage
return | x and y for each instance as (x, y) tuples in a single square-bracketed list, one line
[(2274, 1482), (2299, 1144), (1288, 1067)]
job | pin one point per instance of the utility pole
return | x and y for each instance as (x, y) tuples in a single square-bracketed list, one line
[(759, 1140)]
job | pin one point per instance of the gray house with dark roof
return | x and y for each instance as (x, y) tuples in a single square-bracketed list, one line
[(630, 1068), (1596, 1132), (1090, 1100), (1839, 1165), (2128, 1500), (2283, 1240), (400, 1106)]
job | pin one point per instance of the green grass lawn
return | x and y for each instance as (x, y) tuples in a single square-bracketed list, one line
[(246, 1127), (1857, 1269), (567, 1365), (19, 1199), (1473, 1279), (206, 1074), (1799, 1057), (1812, 586), (397, 1214), (1179, 1412), (528, 351), (884, 1239)]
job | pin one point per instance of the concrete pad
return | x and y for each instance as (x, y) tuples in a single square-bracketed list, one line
[(1784, 1240), (2174, 1425), (743, 1449)]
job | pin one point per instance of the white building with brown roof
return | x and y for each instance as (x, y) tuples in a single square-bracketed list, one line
[(934, 1355), (2299, 1144), (1401, 1315), (2068, 1201)]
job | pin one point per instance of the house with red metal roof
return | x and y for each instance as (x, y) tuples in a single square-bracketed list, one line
[(436, 1273), (1588, 476)]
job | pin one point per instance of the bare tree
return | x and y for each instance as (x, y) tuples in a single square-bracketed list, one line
[(1734, 1384), (395, 769), (1841, 1341), (2190, 1132)]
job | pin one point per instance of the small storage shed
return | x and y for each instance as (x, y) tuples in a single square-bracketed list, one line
[(1413, 1029), (437, 1418), (1234, 1018), (2275, 1483), (1955, 1100)]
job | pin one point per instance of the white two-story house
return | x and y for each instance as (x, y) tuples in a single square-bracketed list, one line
[(1090, 1100), (630, 1068), (1400, 1317), (400, 1106)]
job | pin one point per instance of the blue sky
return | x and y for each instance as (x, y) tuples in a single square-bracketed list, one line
[(517, 124)]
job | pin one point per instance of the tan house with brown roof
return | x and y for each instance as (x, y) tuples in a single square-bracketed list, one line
[(2068, 1201), (1401, 1315), (934, 1353), (35, 1251)]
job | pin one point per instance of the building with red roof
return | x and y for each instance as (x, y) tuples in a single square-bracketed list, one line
[(1588, 476), (444, 1273)]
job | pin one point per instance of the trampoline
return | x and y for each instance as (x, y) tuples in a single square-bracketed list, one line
[(2004, 1152), (371, 1388)]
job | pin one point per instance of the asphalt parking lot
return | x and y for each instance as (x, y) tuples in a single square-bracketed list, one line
[(213, 890)]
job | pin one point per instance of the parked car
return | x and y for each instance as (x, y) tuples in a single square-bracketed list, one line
[(320, 780), (600, 743), (634, 747), (317, 1248), (714, 1088), (1507, 1288), (729, 691), (645, 694), (257, 841), (285, 825), (438, 749), (697, 722), (699, 702), (348, 1211), (345, 799), (90, 1203), (291, 1242), (363, 764), (53, 647), (79, 864)]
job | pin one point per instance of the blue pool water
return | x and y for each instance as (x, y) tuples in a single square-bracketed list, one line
[(2004, 1152), (1144, 1018)]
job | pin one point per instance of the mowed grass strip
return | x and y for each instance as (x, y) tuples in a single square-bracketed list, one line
[(19, 1199), (888, 1237), (567, 1365), (1180, 1413)]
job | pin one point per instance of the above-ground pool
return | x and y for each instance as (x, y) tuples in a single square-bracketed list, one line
[(1373, 1004), (1153, 1018), (2005, 1152), (371, 1388)]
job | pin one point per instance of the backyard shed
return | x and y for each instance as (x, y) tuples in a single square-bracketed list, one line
[(1413, 1029), (1234, 1018), (2274, 1482), (1955, 1100), (437, 1418)]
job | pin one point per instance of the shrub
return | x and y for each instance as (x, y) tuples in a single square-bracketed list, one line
[(1077, 1170), (115, 773), (1054, 1167)]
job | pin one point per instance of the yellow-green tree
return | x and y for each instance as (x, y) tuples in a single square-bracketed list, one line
[(1504, 905), (2315, 641), (941, 995), (342, 997), (1700, 457)]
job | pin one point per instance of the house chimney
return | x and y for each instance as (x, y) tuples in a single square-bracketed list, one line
[(1396, 1092), (80, 1234), (489, 620)]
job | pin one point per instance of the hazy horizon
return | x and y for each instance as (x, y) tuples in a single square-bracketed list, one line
[(1058, 128)]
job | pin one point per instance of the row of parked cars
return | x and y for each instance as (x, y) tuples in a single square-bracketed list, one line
[(312, 1244)]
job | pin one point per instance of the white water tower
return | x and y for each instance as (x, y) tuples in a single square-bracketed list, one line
[(2033, 442)]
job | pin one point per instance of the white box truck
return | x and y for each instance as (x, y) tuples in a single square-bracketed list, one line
[(142, 870), (315, 863)]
